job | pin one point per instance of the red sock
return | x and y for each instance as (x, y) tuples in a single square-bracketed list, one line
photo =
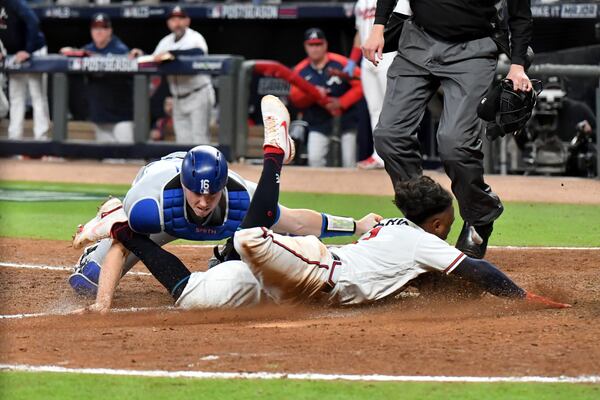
[(272, 149)]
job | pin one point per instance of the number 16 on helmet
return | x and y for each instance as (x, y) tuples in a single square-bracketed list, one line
[(204, 170)]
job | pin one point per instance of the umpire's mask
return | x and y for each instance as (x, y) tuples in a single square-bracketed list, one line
[(509, 109)]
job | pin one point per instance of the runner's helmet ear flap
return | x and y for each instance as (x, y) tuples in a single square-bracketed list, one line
[(509, 109), (204, 170)]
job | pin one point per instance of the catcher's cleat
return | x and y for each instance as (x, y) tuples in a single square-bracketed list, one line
[(109, 213), (276, 120), (473, 240)]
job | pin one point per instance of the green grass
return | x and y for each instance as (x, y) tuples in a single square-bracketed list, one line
[(32, 386), (522, 224), (102, 189)]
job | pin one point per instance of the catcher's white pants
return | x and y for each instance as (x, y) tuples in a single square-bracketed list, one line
[(121, 132), (228, 285), (374, 83), (318, 148), (289, 269), (35, 84), (191, 116)]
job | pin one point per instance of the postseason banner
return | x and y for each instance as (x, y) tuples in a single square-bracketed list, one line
[(206, 11), (244, 11), (213, 65)]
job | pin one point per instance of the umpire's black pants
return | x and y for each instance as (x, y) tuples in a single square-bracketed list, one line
[(464, 71)]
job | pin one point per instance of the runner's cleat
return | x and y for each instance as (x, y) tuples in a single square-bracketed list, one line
[(276, 120), (109, 213)]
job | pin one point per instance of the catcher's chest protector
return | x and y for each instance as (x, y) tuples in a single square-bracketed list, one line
[(176, 223)]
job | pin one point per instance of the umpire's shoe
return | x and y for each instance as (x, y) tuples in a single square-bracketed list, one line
[(473, 240)]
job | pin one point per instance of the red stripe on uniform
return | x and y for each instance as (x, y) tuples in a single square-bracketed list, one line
[(453, 264), (104, 214), (283, 246)]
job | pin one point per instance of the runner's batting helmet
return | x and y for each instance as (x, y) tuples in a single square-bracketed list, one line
[(204, 170)]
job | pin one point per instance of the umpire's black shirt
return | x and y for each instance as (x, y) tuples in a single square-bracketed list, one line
[(463, 20)]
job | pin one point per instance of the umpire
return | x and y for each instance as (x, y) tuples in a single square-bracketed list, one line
[(453, 44)]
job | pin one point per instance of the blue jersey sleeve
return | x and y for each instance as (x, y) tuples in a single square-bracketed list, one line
[(34, 37), (118, 47)]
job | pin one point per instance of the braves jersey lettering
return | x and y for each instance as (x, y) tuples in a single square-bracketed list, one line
[(393, 221)]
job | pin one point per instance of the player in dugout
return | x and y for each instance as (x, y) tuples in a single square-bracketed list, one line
[(342, 93), (109, 97)]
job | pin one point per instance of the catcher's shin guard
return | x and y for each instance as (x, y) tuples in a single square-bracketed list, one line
[(85, 279)]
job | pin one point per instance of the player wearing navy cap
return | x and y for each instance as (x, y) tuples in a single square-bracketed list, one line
[(318, 69), (110, 97)]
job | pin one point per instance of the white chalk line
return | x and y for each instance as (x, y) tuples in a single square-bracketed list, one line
[(197, 246), (574, 248), (544, 248), (58, 314), (302, 376), (54, 267)]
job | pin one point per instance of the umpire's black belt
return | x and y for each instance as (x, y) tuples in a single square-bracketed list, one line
[(328, 287), (183, 96)]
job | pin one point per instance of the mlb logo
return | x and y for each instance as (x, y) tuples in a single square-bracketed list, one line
[(75, 64)]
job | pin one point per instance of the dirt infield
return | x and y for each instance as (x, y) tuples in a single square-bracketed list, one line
[(434, 334), (427, 335)]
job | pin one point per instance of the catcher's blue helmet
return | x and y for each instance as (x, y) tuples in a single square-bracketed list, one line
[(204, 170)]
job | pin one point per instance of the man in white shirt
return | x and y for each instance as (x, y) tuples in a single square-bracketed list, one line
[(193, 95), (373, 77)]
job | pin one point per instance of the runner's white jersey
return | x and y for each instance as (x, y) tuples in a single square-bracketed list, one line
[(364, 13), (386, 258)]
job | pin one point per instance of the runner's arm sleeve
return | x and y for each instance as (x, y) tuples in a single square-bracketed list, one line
[(488, 277)]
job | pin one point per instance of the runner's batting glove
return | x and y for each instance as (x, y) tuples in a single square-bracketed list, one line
[(544, 301), (109, 213)]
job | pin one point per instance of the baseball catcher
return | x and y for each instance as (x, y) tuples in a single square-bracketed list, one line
[(186, 205)]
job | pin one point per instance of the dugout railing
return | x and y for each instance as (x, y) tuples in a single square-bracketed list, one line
[(224, 67), (233, 75)]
